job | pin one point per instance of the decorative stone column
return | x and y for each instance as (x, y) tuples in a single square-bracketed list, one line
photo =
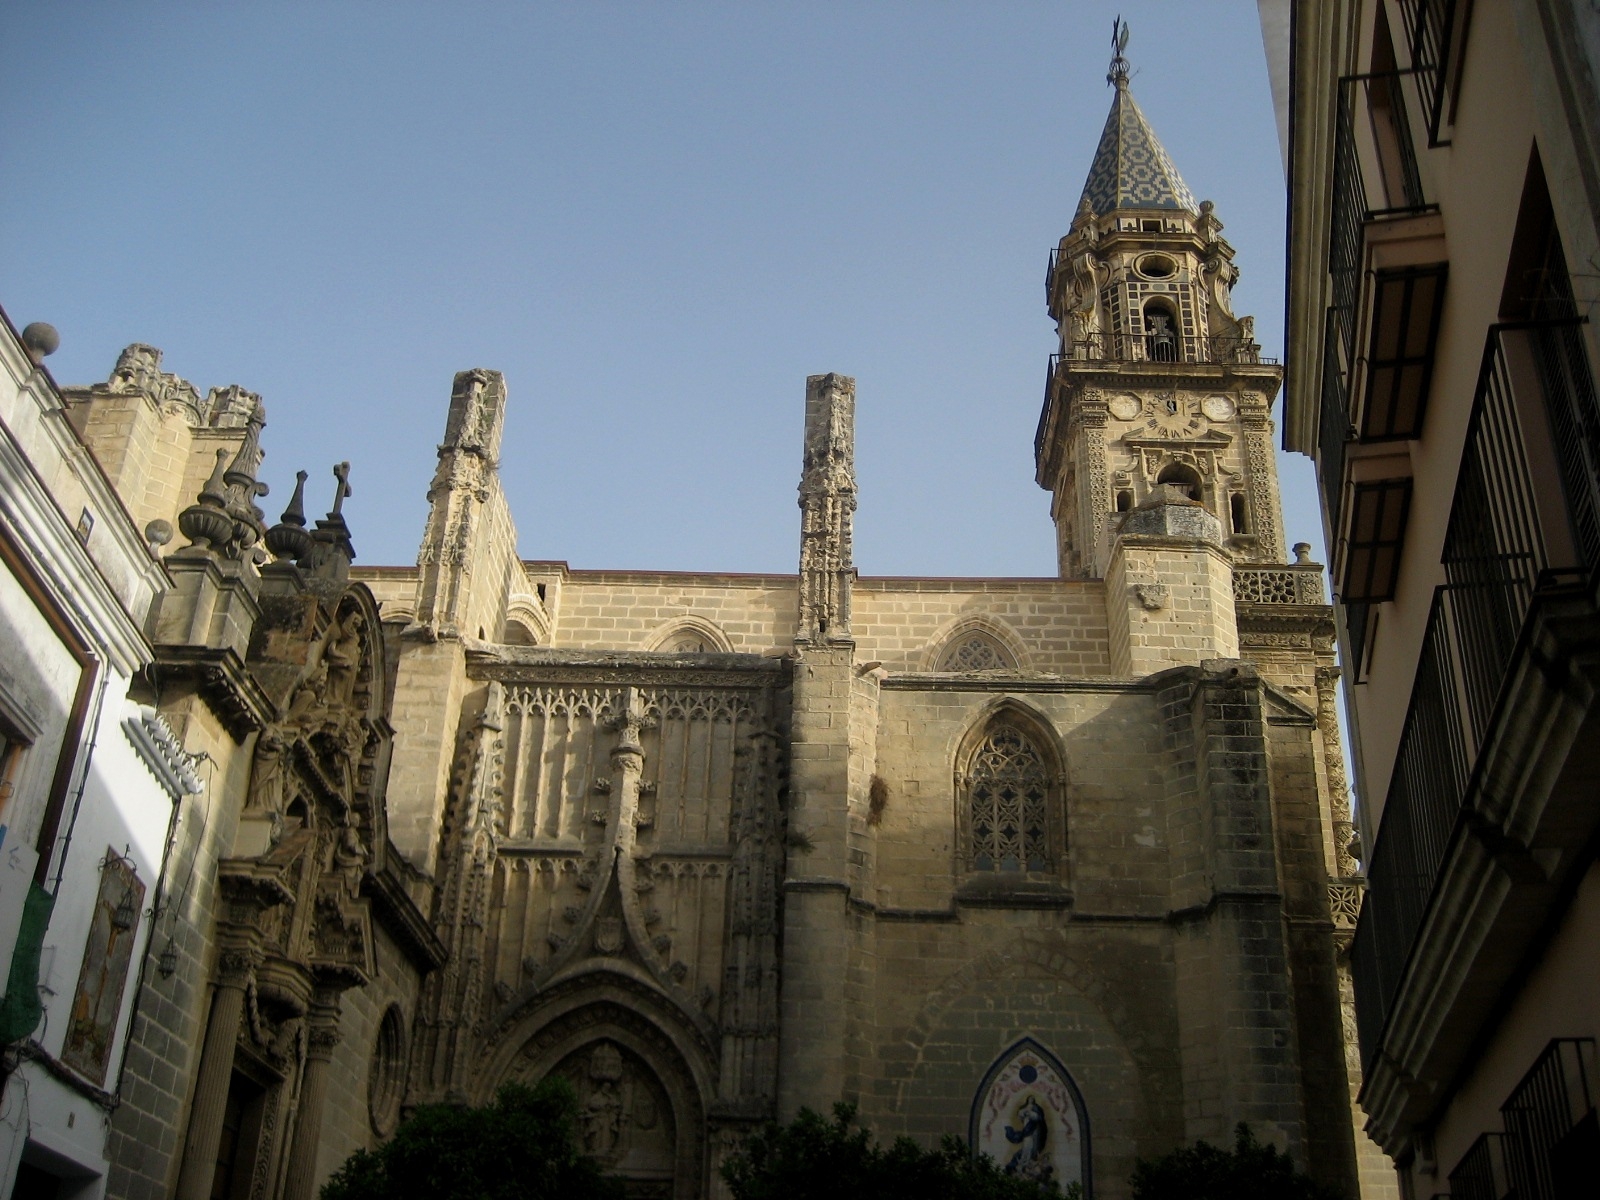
[(216, 1073), (827, 507), (816, 939), (322, 1035), (1345, 864)]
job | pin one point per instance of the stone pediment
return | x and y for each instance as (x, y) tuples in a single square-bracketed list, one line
[(1143, 435)]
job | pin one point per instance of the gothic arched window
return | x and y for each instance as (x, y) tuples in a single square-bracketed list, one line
[(1007, 790), (973, 651), (690, 635)]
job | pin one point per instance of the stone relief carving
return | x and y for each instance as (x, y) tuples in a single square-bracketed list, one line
[(1152, 596)]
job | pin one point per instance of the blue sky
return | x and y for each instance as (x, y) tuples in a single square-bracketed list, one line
[(656, 219)]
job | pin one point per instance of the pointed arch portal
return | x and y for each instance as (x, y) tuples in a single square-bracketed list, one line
[(1030, 1118)]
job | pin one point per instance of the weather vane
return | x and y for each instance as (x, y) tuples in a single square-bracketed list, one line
[(1119, 43)]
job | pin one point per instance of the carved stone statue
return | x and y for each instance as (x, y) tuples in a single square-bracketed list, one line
[(310, 701), (343, 657), (602, 1111), (350, 857), (266, 778)]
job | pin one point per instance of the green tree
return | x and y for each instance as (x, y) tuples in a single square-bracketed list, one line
[(1250, 1171), (521, 1147), (814, 1159)]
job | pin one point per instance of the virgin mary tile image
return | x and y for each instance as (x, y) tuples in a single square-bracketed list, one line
[(1030, 1119)]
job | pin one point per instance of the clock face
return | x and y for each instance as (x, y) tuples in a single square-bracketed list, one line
[(1218, 408), (1173, 416), (1175, 425)]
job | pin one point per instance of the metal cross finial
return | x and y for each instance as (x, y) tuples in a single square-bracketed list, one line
[(1119, 43), (342, 474)]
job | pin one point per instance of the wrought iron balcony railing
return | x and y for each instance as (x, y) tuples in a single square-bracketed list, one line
[(1552, 1144), (1430, 35), (1356, 201), (1164, 348), (1497, 556), (1482, 1174)]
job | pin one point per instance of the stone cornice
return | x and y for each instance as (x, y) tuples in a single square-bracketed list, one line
[(1002, 681), (226, 685), (399, 914), (33, 522), (537, 664)]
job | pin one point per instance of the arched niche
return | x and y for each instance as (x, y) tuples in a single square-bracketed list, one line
[(1182, 475), (642, 1102), (975, 631), (1010, 795), (1162, 332), (689, 635), (1029, 1116), (626, 1119)]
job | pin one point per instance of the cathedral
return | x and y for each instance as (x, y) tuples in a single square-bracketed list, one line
[(1059, 865)]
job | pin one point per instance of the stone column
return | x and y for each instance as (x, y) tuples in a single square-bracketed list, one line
[(216, 1073), (322, 1035), (814, 1022)]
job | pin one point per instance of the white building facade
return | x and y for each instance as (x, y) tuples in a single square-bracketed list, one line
[(91, 783)]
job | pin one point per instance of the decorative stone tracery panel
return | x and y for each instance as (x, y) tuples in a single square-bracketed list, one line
[(1008, 786)]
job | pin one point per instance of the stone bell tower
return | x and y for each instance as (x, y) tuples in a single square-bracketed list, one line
[(1155, 441)]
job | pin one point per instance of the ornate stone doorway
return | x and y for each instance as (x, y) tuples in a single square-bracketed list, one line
[(641, 1106)]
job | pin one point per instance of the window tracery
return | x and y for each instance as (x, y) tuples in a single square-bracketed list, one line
[(386, 1072), (975, 652), (1008, 803)]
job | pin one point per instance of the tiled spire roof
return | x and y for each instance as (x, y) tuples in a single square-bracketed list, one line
[(1131, 168)]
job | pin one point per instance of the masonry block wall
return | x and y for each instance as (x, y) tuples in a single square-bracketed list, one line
[(674, 831), (164, 1046)]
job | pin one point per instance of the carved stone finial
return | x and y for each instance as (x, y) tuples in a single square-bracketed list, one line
[(288, 539), (295, 514), (240, 489), (215, 488), (206, 523), (827, 507), (341, 472), (630, 720), (331, 551), (477, 412), (138, 369)]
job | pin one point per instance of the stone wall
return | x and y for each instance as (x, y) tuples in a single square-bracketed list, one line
[(349, 1126), (147, 1129)]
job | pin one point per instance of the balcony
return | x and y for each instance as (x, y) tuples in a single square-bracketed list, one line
[(1163, 348), (1375, 179), (1552, 1143), (1521, 541), (1435, 31), (1152, 352), (1482, 1173)]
